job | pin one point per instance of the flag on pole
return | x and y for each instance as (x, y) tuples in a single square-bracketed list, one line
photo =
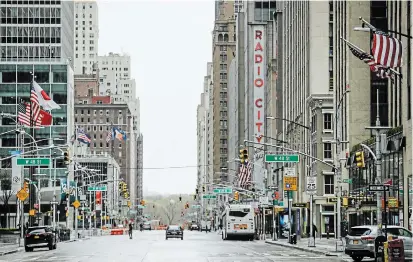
[(245, 175), (387, 50), (83, 137), (24, 116), (119, 134), (380, 70), (45, 101), (109, 136)]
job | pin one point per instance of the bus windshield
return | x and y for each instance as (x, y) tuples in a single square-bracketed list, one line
[(237, 213)]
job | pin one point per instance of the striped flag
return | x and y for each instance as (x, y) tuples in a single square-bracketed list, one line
[(109, 136), (83, 137), (28, 112), (24, 116), (245, 175), (381, 71), (387, 50)]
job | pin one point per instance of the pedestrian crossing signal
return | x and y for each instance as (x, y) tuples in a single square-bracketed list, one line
[(236, 196)]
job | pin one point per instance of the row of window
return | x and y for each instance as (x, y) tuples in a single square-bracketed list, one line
[(84, 16), (29, 12), (31, 2), (88, 111), (91, 35), (31, 21), (31, 40), (26, 77)]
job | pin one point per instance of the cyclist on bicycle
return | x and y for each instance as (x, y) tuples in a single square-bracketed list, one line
[(130, 230)]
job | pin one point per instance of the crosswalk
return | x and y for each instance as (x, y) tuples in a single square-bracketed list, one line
[(46, 258)]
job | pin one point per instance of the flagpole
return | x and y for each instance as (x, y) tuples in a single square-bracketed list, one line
[(112, 153), (32, 168), (374, 29)]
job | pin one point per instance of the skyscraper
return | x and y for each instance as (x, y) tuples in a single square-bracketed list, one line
[(86, 36)]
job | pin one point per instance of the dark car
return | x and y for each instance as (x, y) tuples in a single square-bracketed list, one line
[(39, 237), (174, 232), (194, 227)]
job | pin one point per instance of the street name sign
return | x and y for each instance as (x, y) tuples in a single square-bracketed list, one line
[(378, 188), (209, 196), (350, 181), (33, 161), (97, 188), (226, 190), (196, 206), (282, 158), (299, 204)]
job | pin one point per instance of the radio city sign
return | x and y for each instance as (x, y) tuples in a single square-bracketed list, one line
[(259, 81)]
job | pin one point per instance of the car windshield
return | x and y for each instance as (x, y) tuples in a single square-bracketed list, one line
[(173, 228)]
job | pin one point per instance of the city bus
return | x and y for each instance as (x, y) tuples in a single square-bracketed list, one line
[(238, 222)]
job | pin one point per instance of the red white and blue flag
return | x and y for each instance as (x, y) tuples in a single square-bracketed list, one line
[(83, 137), (245, 172)]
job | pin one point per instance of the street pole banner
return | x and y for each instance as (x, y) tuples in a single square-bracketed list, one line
[(16, 174), (98, 200)]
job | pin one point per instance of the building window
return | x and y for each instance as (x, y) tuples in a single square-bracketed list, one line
[(328, 124), (329, 184), (223, 58), (222, 48), (328, 153)]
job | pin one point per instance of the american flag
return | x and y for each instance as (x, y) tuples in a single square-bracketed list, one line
[(245, 175), (380, 71), (109, 137), (387, 50), (26, 113), (82, 136)]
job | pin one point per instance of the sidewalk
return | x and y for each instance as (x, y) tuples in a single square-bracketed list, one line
[(6, 249), (322, 246)]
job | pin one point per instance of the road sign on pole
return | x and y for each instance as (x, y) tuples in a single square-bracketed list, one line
[(33, 161), (290, 179), (97, 188), (226, 190), (311, 185), (282, 158), (209, 196)]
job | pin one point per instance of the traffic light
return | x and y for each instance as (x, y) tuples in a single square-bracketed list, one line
[(196, 191), (236, 196), (203, 189), (360, 159), (124, 187), (66, 159), (26, 186), (245, 154), (241, 156)]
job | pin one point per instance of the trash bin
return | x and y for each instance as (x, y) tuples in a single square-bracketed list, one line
[(293, 239)]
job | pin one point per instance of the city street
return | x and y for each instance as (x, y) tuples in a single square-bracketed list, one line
[(151, 246)]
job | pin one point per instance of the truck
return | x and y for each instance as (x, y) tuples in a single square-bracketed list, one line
[(206, 225)]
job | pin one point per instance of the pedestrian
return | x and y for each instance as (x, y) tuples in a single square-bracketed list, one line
[(314, 231)]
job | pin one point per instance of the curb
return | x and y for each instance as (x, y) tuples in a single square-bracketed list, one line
[(10, 251), (302, 248)]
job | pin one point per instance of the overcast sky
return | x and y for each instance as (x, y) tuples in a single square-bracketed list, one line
[(170, 43)]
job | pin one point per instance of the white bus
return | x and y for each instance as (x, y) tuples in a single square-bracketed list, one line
[(238, 222)]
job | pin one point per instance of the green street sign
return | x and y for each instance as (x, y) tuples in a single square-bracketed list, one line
[(97, 188), (141, 207), (33, 161), (226, 190), (282, 158), (33, 182), (350, 181), (209, 196), (196, 206)]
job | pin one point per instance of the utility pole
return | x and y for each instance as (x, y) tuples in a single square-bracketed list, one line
[(379, 181)]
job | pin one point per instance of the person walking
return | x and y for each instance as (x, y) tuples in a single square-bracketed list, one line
[(314, 231), (130, 230)]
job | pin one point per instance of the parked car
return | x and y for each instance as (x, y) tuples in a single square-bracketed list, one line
[(39, 237), (174, 231), (360, 241)]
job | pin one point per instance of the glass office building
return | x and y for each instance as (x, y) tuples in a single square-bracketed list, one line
[(57, 81)]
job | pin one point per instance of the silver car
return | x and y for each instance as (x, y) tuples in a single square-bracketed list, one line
[(360, 241)]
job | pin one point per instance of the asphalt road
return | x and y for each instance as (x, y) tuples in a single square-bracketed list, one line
[(151, 246)]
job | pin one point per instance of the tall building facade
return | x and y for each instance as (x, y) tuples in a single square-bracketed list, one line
[(115, 81), (86, 36), (43, 51), (204, 137), (223, 52), (49, 36)]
